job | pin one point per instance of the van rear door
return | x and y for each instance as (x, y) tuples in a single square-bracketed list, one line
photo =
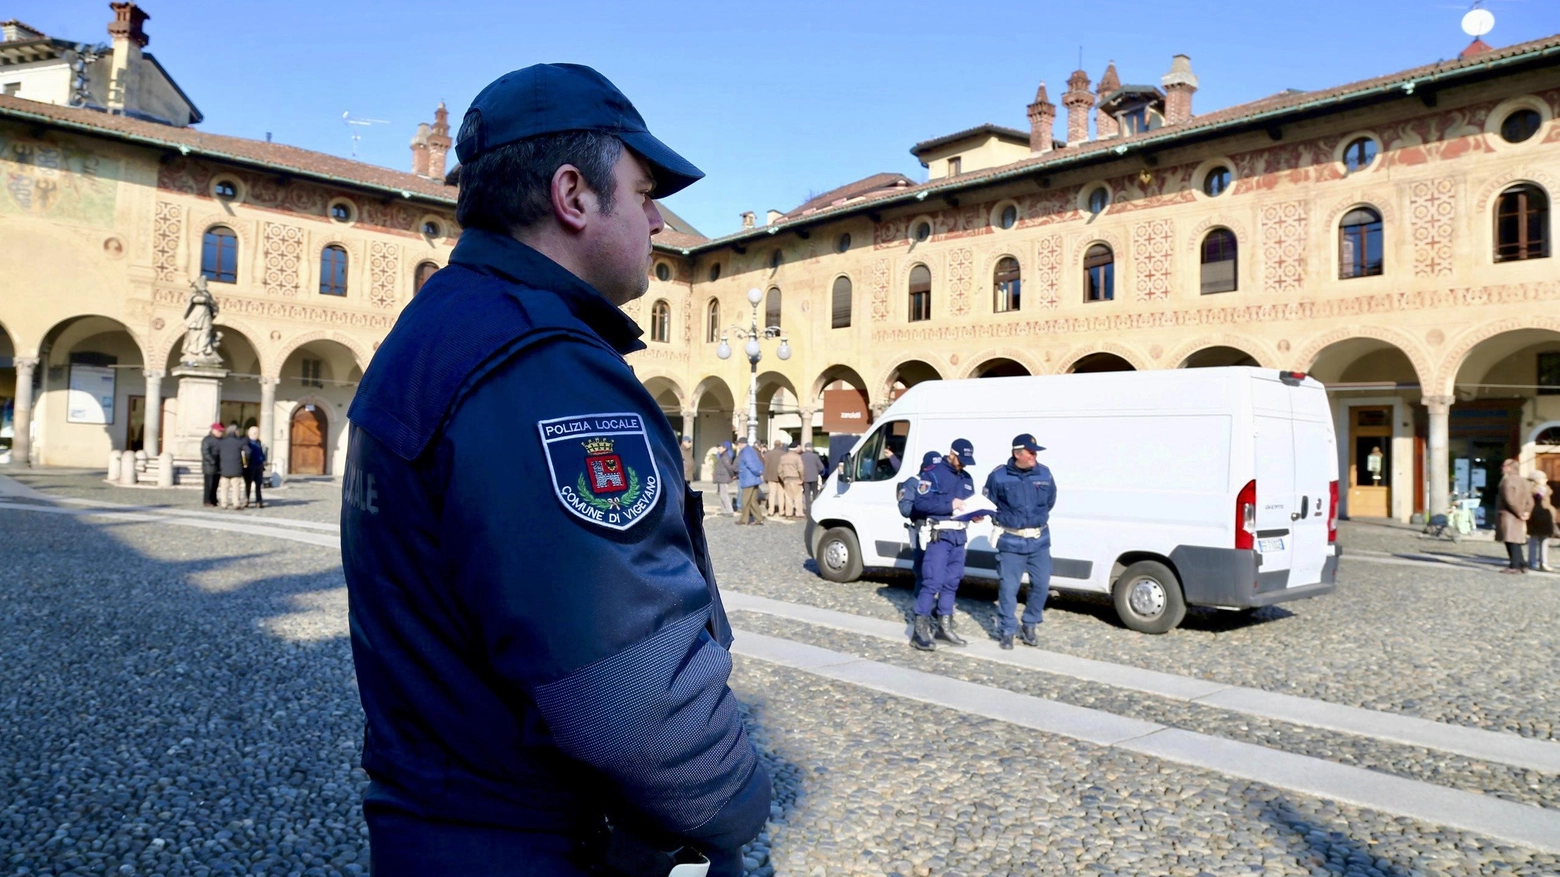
[(1315, 469), (1273, 416)]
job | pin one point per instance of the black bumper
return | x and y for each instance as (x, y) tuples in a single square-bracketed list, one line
[(1233, 577)]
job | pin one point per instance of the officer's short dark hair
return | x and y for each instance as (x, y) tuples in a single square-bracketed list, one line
[(509, 187)]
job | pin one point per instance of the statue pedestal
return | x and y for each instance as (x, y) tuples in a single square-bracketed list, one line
[(200, 405)]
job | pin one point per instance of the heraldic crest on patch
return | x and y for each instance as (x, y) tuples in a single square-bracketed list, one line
[(602, 467)]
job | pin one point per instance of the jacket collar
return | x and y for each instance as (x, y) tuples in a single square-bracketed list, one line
[(501, 255), (1012, 466)]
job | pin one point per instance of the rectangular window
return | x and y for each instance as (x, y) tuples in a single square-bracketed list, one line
[(883, 453), (1549, 374), (12, 89), (955, 165), (920, 306), (312, 370)]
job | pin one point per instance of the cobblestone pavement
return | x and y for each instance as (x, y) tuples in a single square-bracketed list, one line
[(181, 702)]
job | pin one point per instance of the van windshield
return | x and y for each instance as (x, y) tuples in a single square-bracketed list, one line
[(883, 452)]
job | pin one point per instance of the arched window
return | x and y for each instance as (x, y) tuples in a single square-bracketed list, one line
[(219, 255), (840, 318), (1005, 285), (661, 322), (1099, 274), (920, 293), (1359, 243), (1522, 224), (333, 270), (424, 271), (772, 307), (1218, 261), (712, 322)]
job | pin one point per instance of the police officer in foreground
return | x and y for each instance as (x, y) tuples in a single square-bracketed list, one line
[(540, 647), (1024, 494), (939, 497)]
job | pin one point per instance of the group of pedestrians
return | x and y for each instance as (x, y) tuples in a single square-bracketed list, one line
[(1525, 514), (233, 466), (781, 482), (1023, 492)]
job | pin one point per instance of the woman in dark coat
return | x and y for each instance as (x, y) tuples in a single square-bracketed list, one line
[(1515, 503), (1541, 523)]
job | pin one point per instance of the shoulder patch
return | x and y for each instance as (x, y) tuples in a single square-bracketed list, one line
[(603, 470), (922, 486)]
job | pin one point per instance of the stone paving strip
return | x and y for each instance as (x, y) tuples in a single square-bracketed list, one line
[(185, 519), (1492, 746), (1530, 826)]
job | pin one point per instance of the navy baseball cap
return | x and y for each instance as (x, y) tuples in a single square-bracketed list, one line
[(930, 459), (554, 98), (964, 450), (1025, 441)]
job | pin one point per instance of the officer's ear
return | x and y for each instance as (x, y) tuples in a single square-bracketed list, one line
[(571, 198)]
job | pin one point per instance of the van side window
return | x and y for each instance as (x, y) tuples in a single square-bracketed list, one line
[(883, 453)]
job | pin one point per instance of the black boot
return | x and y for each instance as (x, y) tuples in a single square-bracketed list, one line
[(922, 638), (1006, 641), (945, 631), (1026, 633)]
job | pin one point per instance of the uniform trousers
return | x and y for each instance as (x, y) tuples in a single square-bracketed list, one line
[(793, 496), (401, 846), (942, 568), (1016, 556)]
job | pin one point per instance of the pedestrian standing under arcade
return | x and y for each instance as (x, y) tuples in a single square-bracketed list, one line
[(1514, 500)]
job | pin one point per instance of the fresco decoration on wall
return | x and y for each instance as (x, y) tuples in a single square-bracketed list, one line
[(282, 310), (283, 250), (1283, 246), (880, 290), (961, 272), (167, 227), (1048, 271), (58, 179), (384, 266), (1432, 208), (1153, 247), (270, 192)]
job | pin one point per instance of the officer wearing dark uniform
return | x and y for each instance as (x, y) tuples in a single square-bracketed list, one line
[(1024, 493), (939, 497), (541, 650)]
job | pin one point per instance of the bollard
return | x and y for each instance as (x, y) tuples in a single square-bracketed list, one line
[(113, 465), (127, 469), (165, 469)]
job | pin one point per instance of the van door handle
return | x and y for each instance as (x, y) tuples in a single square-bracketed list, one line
[(1294, 516)]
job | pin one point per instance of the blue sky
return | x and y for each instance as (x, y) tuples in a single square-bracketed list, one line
[(773, 100)]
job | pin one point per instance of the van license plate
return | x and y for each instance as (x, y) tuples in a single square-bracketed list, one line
[(1270, 546)]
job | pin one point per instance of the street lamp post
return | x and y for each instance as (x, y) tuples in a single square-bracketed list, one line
[(751, 336)]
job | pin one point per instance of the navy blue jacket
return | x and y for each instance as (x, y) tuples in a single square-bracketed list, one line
[(941, 485), (750, 468), (535, 623), (1024, 498)]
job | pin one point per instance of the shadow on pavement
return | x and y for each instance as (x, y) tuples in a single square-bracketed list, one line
[(1324, 851)]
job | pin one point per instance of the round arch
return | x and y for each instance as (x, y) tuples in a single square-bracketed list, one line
[(1218, 357), (668, 395), (902, 376), (1092, 358), (770, 385), (999, 367), (360, 354), (839, 373), (106, 358), (79, 326), (1473, 350), (1251, 347), (1360, 340)]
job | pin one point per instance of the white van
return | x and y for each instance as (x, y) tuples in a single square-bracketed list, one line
[(1204, 487)]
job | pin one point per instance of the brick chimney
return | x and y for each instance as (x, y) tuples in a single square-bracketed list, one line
[(1105, 125), (1179, 85), (1042, 122), (749, 219), (420, 149), (439, 142), (124, 88), (1078, 100)]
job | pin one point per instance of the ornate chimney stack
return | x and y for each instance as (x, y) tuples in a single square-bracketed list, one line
[(1078, 100), (1042, 122), (749, 219), (420, 150), (1105, 125), (1179, 85), (124, 87), (439, 142)]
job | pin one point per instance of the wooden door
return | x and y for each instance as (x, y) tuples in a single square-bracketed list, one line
[(1549, 464), (1370, 462), (306, 444)]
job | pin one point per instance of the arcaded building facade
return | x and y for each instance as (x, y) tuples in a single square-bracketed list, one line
[(1391, 237)]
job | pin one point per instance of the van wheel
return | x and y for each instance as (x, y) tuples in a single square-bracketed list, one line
[(839, 555), (1148, 597)]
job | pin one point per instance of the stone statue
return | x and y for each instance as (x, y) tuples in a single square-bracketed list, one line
[(200, 335)]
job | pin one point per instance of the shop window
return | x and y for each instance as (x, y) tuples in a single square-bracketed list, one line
[(661, 322), (1549, 374), (219, 255), (712, 322), (1522, 224), (1099, 274), (1359, 244), (772, 307), (883, 453), (1219, 261), (920, 293), (425, 270), (333, 270), (1005, 282), (840, 312)]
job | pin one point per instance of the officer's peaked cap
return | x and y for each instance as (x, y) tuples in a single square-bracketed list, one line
[(554, 98), (965, 450), (1027, 442)]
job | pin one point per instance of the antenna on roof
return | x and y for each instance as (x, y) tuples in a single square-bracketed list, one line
[(1479, 21), (356, 125)]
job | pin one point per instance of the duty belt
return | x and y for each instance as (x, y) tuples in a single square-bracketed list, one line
[(948, 525), (1026, 533)]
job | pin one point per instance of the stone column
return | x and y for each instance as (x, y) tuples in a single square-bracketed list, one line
[(268, 417), (152, 433), (807, 427), (21, 422), (1440, 464)]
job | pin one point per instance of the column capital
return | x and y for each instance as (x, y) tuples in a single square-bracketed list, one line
[(269, 382), (1438, 404), (153, 374), (806, 412), (25, 362)]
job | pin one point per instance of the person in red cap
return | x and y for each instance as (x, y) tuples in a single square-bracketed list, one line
[(211, 463)]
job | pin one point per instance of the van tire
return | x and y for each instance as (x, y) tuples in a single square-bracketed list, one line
[(1148, 597), (839, 555)]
